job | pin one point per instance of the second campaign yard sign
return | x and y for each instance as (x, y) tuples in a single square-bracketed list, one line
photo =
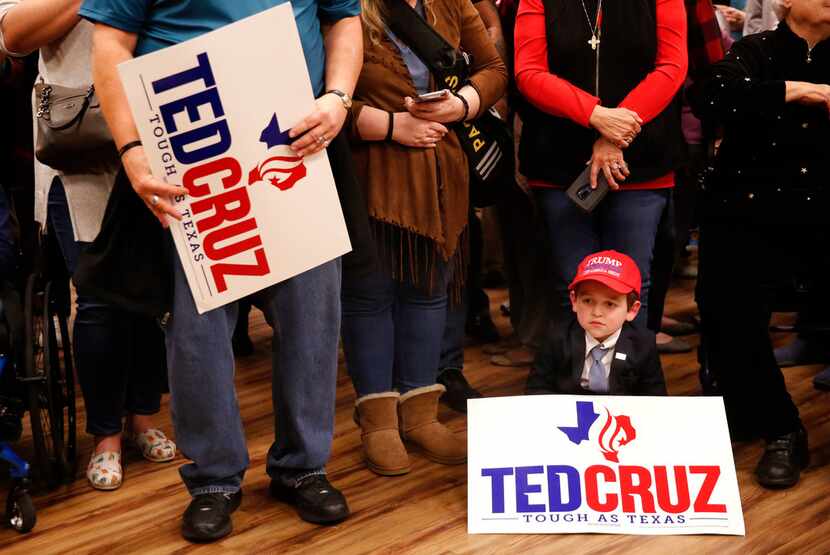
[(213, 114), (561, 464)]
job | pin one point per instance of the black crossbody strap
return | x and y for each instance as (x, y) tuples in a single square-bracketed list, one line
[(447, 65)]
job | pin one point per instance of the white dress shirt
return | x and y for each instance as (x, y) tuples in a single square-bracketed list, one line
[(590, 343)]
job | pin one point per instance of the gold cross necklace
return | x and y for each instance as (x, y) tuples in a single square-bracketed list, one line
[(595, 27)]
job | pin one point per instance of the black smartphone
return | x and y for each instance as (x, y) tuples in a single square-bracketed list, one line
[(581, 193)]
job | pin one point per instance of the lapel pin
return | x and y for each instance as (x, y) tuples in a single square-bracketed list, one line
[(620, 356)]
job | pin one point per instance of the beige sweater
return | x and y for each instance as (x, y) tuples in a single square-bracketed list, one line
[(68, 62)]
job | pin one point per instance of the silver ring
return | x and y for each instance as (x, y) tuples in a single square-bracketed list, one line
[(322, 140), (154, 200), (325, 144)]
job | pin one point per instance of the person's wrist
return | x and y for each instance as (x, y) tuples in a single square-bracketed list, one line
[(464, 108), (596, 116), (344, 99), (127, 147), (793, 91), (396, 123)]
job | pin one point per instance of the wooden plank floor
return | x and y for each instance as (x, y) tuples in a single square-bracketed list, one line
[(422, 512)]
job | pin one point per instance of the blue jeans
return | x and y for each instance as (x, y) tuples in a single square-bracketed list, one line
[(624, 221), (452, 342), (304, 313), (119, 355), (392, 332)]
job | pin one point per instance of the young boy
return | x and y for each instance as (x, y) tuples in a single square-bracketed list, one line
[(601, 351)]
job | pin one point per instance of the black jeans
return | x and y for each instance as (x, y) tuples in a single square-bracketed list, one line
[(673, 232), (749, 259), (120, 356)]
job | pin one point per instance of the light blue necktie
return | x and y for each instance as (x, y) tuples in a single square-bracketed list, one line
[(597, 380)]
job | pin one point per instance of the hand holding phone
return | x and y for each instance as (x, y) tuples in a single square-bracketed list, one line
[(432, 96), (583, 195)]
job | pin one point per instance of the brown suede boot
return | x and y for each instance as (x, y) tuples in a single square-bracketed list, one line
[(377, 416), (418, 413)]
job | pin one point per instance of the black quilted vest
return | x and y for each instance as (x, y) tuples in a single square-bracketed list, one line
[(556, 149)]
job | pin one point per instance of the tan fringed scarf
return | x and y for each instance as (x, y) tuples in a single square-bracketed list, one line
[(418, 198)]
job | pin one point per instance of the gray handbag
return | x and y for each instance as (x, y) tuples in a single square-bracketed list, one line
[(72, 134)]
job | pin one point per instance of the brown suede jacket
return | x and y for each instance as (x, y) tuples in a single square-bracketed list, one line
[(422, 191)]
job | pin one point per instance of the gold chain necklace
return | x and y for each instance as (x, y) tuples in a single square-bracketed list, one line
[(594, 28)]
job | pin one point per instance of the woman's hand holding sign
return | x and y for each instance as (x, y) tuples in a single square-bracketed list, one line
[(317, 130), (154, 192)]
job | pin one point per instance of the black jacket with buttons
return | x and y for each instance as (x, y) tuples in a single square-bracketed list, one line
[(635, 368), (772, 150)]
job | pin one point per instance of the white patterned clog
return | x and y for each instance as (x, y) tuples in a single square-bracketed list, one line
[(154, 445), (104, 471)]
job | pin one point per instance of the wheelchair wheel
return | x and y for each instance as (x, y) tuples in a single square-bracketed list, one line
[(51, 385), (20, 512), (63, 371)]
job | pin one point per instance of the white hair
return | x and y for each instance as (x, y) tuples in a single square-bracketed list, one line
[(781, 10)]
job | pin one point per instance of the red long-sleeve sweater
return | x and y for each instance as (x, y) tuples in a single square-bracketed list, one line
[(557, 96)]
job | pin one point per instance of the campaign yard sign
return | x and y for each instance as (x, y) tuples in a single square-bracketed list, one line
[(557, 464), (214, 114)]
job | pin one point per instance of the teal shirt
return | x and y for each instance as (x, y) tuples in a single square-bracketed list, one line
[(162, 23)]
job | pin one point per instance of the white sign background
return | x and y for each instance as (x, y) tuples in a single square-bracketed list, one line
[(670, 431), (260, 71)]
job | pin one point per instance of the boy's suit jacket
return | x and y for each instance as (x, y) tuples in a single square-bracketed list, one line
[(560, 363)]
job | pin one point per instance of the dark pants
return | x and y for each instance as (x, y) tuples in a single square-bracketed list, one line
[(474, 301), (625, 221), (120, 355), (452, 342), (662, 266), (8, 247), (673, 232), (526, 264), (749, 257)]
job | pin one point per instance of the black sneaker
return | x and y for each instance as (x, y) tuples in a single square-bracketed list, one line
[(480, 328), (783, 460), (208, 517), (800, 352), (315, 499), (458, 389)]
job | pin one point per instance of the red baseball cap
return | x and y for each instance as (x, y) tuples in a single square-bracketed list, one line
[(612, 269)]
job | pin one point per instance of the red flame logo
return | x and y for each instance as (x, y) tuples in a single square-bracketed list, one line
[(283, 172), (616, 432)]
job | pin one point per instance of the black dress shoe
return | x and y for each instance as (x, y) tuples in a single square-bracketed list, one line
[(821, 381), (783, 460), (458, 389), (315, 499), (208, 517)]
